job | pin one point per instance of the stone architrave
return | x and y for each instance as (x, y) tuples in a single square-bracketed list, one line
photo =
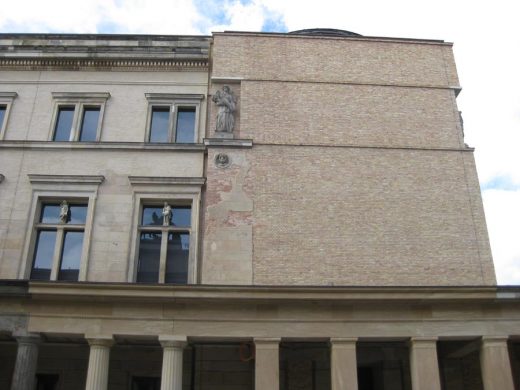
[(173, 351), (267, 361), (343, 361), (495, 364), (98, 363), (24, 375)]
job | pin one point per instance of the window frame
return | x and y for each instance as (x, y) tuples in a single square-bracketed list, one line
[(54, 189), (176, 191), (80, 101), (6, 99), (173, 102)]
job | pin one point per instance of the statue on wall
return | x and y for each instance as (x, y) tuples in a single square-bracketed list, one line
[(226, 102), (64, 211), (167, 214)]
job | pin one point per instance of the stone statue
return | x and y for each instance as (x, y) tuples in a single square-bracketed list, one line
[(167, 214), (226, 102), (64, 211)]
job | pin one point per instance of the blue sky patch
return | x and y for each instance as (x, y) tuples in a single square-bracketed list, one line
[(500, 183), (274, 23)]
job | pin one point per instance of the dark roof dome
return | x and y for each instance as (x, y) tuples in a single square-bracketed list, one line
[(326, 32)]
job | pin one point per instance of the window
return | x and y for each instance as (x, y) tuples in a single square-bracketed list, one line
[(165, 229), (6, 100), (61, 219), (173, 118), (78, 116), (59, 241), (164, 244)]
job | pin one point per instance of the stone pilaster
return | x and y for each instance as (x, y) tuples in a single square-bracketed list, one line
[(267, 364), (343, 364), (424, 365), (24, 375), (98, 363), (495, 364), (173, 351)]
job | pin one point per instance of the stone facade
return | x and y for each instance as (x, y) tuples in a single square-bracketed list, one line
[(335, 240)]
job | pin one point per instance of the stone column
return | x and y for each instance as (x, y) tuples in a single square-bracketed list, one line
[(24, 375), (267, 364), (343, 364), (173, 348), (424, 365), (495, 364), (98, 362)]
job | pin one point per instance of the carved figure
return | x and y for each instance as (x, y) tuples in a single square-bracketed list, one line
[(167, 214), (226, 102), (64, 211), (222, 160)]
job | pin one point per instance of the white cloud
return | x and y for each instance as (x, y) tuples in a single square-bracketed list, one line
[(503, 220)]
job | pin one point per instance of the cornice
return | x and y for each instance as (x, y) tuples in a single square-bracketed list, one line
[(94, 64)]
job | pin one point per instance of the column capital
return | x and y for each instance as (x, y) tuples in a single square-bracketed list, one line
[(267, 342), (489, 340), (100, 340), (423, 342), (343, 341), (173, 341), (28, 338)]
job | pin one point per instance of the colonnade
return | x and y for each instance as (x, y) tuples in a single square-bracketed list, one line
[(424, 367)]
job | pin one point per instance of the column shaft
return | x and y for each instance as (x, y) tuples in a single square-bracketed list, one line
[(173, 351), (495, 364), (343, 364), (267, 364), (424, 365), (24, 375), (98, 364)]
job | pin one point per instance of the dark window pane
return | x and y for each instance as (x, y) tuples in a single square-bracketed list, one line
[(89, 124), (63, 124), (149, 255), (71, 256), (2, 115), (159, 125), (146, 383), (47, 381), (78, 213), (177, 258), (50, 213), (43, 255), (185, 125), (152, 216), (181, 216)]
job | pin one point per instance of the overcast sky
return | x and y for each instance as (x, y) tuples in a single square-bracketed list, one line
[(487, 51)]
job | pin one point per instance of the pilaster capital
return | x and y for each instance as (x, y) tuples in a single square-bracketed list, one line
[(343, 342), (424, 342), (494, 341), (267, 342), (100, 340), (173, 341)]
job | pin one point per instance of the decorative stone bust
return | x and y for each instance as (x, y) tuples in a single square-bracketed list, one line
[(167, 214), (64, 211), (226, 102)]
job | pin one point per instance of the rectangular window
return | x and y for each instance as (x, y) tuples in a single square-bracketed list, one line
[(173, 118), (164, 244), (59, 241), (78, 116), (6, 101)]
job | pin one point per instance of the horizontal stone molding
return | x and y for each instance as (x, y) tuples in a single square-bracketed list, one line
[(156, 180), (85, 64), (66, 179), (228, 143), (142, 146)]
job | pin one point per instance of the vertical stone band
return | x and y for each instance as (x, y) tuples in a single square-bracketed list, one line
[(343, 364), (424, 365), (495, 364), (98, 363), (173, 352), (267, 363), (26, 362)]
